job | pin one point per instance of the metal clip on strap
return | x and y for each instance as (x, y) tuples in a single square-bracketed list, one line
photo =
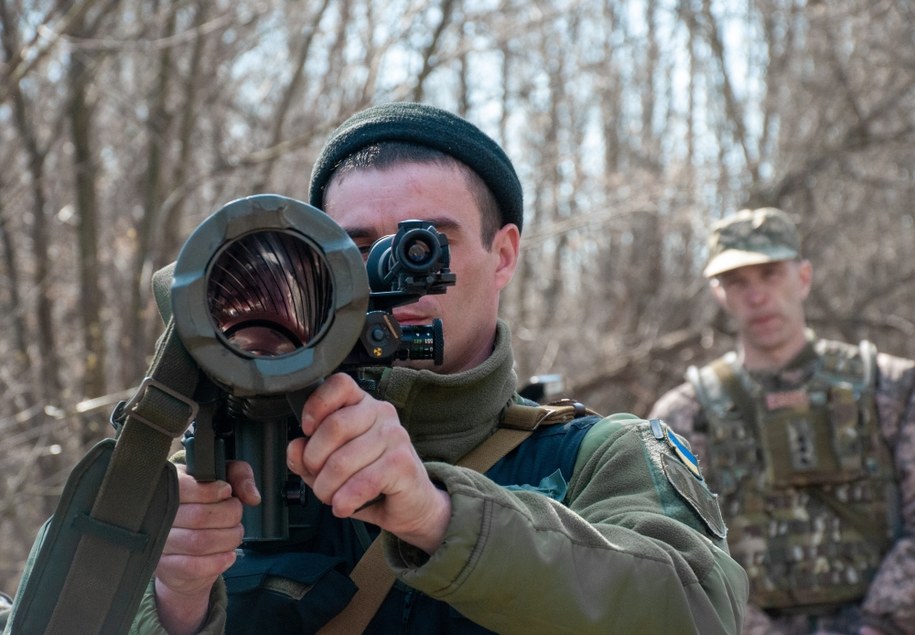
[(144, 406)]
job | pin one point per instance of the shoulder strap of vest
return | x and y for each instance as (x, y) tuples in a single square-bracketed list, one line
[(371, 574), (730, 382), (722, 370), (869, 363), (694, 377)]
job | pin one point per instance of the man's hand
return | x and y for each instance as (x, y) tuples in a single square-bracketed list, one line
[(356, 451), (201, 544)]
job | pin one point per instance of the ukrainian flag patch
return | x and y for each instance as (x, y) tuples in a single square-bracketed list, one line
[(683, 453), (662, 432)]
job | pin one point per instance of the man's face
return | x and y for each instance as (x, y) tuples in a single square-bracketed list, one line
[(369, 203), (767, 303)]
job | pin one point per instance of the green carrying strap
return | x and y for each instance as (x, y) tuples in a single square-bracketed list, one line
[(107, 533), (372, 575)]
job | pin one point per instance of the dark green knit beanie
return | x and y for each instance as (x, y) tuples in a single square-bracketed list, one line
[(428, 126)]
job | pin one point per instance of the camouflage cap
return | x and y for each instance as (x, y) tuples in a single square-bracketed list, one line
[(751, 237)]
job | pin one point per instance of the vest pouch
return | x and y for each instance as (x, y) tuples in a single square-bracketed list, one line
[(733, 453), (294, 592), (52, 557), (804, 447)]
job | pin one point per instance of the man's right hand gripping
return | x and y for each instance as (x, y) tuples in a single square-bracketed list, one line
[(201, 545)]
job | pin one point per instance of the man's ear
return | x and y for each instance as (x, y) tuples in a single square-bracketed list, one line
[(717, 290), (506, 244), (805, 275)]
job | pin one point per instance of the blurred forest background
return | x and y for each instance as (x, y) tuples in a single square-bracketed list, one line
[(633, 124)]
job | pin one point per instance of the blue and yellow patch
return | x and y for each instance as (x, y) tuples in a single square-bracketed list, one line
[(662, 432), (681, 467)]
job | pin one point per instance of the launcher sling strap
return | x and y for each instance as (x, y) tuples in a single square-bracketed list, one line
[(101, 546)]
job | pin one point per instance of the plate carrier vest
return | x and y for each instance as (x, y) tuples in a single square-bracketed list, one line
[(805, 479)]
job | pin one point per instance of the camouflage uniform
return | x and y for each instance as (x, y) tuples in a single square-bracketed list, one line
[(738, 461)]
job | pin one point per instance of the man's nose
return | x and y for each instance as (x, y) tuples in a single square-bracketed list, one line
[(756, 294)]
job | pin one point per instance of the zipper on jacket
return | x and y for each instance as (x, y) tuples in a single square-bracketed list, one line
[(407, 615)]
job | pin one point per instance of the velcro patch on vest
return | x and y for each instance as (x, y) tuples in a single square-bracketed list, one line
[(787, 399), (694, 492)]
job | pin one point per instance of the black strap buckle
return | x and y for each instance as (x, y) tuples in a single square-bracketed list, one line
[(130, 408)]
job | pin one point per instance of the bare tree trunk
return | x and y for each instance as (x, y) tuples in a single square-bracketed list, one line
[(732, 105), (428, 54), (551, 160), (38, 431), (158, 123), (648, 139), (610, 97), (48, 363), (19, 364), (170, 241), (79, 80), (289, 95)]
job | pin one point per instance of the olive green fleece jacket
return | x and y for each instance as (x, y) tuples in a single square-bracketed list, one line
[(609, 561), (623, 553)]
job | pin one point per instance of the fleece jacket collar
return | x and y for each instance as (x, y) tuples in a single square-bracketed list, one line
[(448, 415)]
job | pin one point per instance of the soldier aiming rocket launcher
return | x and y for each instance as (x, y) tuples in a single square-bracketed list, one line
[(270, 296), (267, 298)]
